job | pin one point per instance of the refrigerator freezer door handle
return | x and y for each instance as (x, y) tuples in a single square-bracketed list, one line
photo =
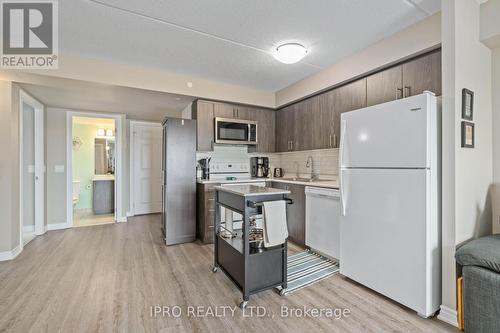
[(342, 143)]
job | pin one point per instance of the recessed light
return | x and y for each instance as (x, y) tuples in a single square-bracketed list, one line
[(290, 53)]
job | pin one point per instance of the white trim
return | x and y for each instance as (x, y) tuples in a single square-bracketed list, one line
[(448, 315), (122, 220), (131, 170), (120, 213), (58, 226), (28, 229), (12, 254), (129, 214), (39, 151)]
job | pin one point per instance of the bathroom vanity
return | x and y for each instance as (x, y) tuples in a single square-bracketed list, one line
[(103, 194)]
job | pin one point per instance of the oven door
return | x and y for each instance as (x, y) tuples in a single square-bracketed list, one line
[(235, 131)]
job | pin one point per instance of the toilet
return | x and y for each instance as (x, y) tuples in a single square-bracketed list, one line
[(76, 192)]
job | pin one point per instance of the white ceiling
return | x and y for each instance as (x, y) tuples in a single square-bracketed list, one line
[(230, 40), (87, 96)]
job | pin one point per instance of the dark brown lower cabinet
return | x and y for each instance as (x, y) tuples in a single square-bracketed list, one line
[(296, 213), (205, 215)]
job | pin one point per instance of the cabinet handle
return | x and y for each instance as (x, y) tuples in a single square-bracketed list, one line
[(407, 91), (335, 140), (330, 144), (399, 90)]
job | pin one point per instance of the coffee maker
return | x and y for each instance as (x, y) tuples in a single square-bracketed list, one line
[(259, 167), (205, 168)]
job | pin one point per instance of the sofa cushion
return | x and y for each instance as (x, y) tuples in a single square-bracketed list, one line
[(483, 252)]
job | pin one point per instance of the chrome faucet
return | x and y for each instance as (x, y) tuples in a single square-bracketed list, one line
[(310, 164)]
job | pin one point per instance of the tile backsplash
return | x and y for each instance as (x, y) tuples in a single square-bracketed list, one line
[(325, 161)]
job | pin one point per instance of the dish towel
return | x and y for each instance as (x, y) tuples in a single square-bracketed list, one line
[(275, 228)]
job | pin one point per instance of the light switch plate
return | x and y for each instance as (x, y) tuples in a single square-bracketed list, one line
[(59, 168)]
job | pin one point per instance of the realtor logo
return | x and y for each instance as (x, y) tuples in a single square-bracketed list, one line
[(29, 34)]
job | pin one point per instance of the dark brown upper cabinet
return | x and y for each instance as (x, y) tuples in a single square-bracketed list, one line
[(266, 133), (408, 79), (203, 112), (385, 86), (422, 74)]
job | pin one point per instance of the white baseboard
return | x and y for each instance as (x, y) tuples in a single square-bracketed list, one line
[(121, 219), (9, 255), (130, 214), (28, 229), (58, 226), (448, 315)]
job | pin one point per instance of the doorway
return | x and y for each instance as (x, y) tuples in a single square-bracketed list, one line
[(32, 168), (94, 169)]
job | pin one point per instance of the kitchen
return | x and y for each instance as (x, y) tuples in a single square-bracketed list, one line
[(306, 151), (272, 161)]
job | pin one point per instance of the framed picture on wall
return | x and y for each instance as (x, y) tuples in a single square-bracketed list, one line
[(467, 134), (467, 104)]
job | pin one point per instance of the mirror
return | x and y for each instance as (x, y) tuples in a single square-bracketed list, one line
[(104, 156)]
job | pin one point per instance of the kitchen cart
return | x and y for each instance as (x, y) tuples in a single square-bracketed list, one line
[(252, 269)]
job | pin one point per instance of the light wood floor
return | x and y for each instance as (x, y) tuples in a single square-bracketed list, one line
[(105, 278)]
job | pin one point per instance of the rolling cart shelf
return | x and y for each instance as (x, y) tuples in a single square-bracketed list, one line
[(251, 270)]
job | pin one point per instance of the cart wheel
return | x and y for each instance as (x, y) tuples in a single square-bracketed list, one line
[(214, 269), (282, 292), (243, 305)]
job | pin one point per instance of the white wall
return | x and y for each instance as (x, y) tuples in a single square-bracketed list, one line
[(55, 132), (108, 72), (6, 171), (467, 173), (490, 24), (496, 140), (186, 112)]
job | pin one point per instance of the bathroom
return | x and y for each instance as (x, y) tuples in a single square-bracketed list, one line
[(93, 157)]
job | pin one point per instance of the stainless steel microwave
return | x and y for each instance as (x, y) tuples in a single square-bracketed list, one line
[(235, 131)]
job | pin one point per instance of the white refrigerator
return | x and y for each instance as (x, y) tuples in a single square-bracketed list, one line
[(390, 200)]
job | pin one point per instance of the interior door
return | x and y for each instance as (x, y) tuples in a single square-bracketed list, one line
[(383, 231), (147, 168)]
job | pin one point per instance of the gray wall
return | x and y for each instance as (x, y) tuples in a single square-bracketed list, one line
[(55, 133), (9, 166)]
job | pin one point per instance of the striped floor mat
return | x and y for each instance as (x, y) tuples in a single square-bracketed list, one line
[(306, 268)]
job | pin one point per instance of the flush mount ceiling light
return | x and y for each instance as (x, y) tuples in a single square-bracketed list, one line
[(290, 53)]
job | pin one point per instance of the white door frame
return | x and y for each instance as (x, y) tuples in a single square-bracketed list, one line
[(120, 215), (134, 123), (39, 148)]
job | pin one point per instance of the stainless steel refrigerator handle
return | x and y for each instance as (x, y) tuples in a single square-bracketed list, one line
[(342, 143)]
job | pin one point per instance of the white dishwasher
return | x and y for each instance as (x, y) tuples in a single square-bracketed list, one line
[(323, 221)]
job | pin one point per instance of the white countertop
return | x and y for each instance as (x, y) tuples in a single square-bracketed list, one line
[(98, 178), (323, 183), (251, 190)]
